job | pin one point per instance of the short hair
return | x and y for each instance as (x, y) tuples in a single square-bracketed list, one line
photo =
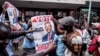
[(67, 21), (14, 10), (48, 23)]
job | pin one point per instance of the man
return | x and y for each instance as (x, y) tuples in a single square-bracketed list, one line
[(50, 33), (49, 36), (28, 43), (58, 38), (15, 19), (72, 13), (6, 35), (71, 37), (85, 39)]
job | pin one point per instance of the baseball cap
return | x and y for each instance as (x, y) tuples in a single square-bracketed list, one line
[(97, 25), (68, 21)]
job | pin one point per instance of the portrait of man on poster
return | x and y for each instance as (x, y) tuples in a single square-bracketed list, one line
[(50, 33), (15, 19)]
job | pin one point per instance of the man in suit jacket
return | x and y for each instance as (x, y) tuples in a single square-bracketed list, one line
[(50, 33), (15, 19), (49, 36)]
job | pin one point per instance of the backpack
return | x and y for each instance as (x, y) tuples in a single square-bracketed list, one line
[(93, 45)]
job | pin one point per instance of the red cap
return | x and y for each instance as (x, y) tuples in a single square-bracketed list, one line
[(96, 25)]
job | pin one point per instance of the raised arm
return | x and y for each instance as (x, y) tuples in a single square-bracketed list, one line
[(15, 34), (30, 37), (56, 26), (86, 24)]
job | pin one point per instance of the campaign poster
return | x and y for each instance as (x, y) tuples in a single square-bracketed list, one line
[(46, 33), (13, 13)]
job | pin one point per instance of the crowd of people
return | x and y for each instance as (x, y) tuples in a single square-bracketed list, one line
[(70, 38)]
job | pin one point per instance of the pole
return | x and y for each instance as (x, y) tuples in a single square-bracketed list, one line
[(89, 11)]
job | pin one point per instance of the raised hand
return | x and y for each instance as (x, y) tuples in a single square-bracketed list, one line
[(4, 6), (64, 38)]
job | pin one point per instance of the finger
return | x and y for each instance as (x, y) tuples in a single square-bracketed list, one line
[(65, 33)]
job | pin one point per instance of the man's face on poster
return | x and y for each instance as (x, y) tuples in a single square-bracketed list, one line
[(15, 13), (48, 27)]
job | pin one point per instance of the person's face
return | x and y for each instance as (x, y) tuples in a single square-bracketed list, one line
[(29, 22), (82, 27), (85, 15), (48, 27), (96, 18), (61, 29), (77, 26), (72, 13), (15, 13)]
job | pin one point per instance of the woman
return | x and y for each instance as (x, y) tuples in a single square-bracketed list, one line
[(71, 37), (94, 47)]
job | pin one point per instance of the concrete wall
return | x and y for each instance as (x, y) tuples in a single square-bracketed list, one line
[(95, 0), (61, 1)]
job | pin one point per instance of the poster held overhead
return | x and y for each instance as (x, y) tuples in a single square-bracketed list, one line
[(13, 13), (45, 25)]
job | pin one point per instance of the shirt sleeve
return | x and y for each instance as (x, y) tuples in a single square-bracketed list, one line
[(87, 35), (55, 38), (2, 17), (30, 35)]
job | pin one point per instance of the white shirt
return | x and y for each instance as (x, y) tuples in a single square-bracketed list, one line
[(85, 36)]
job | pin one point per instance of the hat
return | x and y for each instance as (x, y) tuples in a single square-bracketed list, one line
[(97, 25), (68, 21)]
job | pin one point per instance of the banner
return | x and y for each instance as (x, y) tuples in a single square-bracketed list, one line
[(13, 13), (43, 38)]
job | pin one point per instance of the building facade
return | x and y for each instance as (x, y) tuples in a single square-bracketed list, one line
[(57, 8)]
